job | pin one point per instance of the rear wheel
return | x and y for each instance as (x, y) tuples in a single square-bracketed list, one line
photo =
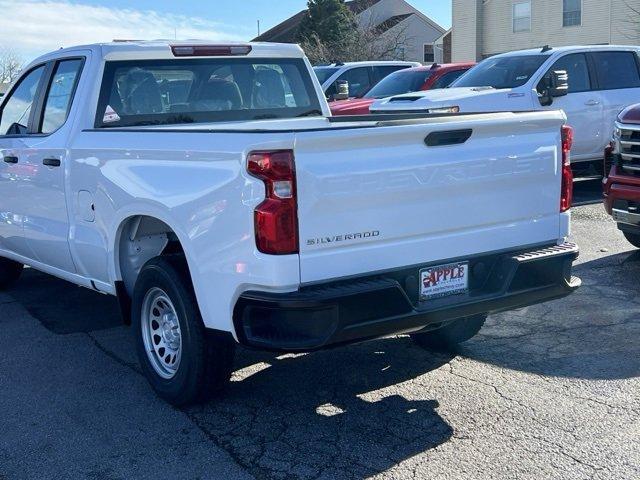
[(451, 334), (632, 238), (9, 272), (184, 362)]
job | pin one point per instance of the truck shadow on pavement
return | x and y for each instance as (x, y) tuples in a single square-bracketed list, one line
[(331, 414), (592, 334), (63, 307)]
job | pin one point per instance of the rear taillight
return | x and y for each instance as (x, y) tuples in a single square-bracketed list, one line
[(276, 218), (566, 194)]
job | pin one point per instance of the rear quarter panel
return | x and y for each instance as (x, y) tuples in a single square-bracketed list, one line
[(194, 182)]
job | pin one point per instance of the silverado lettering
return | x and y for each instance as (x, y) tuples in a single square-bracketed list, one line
[(342, 238)]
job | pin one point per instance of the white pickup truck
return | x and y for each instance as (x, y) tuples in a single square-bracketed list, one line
[(592, 84), (208, 188)]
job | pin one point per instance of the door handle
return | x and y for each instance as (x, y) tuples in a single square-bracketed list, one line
[(51, 162), (592, 103), (10, 159)]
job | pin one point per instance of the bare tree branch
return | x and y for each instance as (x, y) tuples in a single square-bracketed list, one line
[(10, 65), (371, 41)]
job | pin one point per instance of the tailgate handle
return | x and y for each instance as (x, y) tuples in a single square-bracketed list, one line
[(448, 137)]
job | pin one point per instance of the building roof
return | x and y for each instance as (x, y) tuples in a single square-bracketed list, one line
[(283, 32), (286, 31), (391, 22), (359, 6)]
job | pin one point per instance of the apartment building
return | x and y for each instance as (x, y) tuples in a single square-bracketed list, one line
[(482, 28)]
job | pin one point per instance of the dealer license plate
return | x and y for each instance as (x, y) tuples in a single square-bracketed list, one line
[(444, 280)]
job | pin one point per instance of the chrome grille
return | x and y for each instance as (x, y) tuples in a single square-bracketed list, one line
[(629, 148)]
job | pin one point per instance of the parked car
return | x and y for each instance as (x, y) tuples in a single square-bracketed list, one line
[(602, 80), (402, 81), (358, 77), (208, 188), (622, 184)]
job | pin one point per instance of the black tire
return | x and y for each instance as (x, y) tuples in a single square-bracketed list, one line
[(632, 238), (206, 358), (450, 335), (10, 272)]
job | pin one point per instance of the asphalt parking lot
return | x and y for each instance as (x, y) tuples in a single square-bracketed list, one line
[(550, 391)]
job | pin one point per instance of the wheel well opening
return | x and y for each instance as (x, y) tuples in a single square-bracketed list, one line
[(141, 239)]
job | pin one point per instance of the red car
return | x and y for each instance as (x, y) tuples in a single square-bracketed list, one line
[(622, 185), (402, 81)]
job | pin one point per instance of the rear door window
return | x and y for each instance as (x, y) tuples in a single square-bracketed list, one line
[(616, 70), (60, 94), (169, 92)]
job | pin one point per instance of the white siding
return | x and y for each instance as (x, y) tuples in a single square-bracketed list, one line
[(603, 22), (417, 32), (466, 30)]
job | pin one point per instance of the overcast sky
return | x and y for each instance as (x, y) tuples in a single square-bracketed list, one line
[(34, 27)]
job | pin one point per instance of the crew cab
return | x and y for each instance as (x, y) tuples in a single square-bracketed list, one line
[(402, 81), (602, 80), (356, 77), (622, 184), (208, 188)]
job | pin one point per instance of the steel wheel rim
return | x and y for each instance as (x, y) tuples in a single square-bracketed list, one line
[(161, 333)]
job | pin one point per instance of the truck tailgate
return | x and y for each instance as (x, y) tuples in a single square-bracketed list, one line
[(371, 199)]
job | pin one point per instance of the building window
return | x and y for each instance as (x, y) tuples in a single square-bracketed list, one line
[(571, 13), (429, 54), (522, 17)]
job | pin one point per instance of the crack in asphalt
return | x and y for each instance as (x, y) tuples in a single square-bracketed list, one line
[(112, 355)]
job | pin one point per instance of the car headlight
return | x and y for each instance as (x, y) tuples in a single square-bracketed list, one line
[(454, 109)]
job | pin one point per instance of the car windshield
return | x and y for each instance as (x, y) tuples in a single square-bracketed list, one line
[(501, 72), (323, 73), (398, 83)]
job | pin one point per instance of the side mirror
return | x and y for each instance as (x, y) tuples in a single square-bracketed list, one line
[(342, 90), (16, 129), (559, 83), (554, 84)]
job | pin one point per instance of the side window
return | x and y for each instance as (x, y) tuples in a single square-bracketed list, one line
[(60, 94), (616, 70), (381, 72), (447, 79), (521, 16), (14, 117), (578, 70), (359, 82)]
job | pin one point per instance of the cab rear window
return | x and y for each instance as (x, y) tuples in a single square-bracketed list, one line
[(178, 91)]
